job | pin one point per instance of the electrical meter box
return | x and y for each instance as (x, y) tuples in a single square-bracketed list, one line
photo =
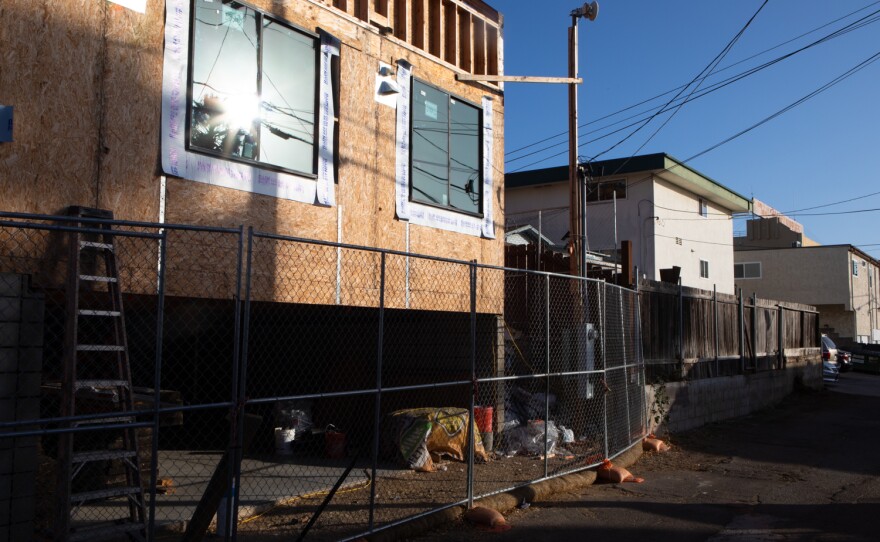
[(586, 360)]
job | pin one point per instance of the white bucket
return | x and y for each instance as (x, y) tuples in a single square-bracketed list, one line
[(283, 438)]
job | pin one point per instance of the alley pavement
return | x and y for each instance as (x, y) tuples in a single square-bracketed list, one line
[(806, 470)]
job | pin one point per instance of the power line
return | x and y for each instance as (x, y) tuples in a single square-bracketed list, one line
[(855, 25), (707, 70), (648, 100), (855, 69), (609, 115)]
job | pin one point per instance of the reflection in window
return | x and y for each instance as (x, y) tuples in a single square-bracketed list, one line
[(446, 144), (605, 190), (253, 87)]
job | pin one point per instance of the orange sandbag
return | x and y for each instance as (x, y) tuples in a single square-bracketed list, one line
[(609, 472), (654, 445), (488, 517)]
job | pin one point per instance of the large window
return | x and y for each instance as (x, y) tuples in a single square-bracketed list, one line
[(252, 87), (750, 270), (446, 148), (606, 190)]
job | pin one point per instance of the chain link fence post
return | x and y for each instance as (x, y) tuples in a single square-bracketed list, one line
[(377, 418), (157, 380)]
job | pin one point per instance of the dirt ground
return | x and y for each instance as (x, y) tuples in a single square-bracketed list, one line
[(806, 470), (401, 495)]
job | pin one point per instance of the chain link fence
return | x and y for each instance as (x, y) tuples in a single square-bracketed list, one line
[(284, 387)]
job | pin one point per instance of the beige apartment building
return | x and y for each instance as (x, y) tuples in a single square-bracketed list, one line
[(840, 280)]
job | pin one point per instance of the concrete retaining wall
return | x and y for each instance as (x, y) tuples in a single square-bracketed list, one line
[(696, 403)]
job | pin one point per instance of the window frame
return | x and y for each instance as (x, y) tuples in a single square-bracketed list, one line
[(704, 208), (480, 157), (742, 266), (706, 275), (596, 188), (855, 267), (315, 99)]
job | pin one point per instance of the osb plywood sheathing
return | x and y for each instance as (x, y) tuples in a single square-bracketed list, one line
[(100, 77), (47, 63), (131, 120)]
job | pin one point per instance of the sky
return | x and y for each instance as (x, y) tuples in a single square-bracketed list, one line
[(817, 154)]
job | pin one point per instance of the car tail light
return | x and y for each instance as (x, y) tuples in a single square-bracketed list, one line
[(826, 355)]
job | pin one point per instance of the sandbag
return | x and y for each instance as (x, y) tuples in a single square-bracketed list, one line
[(654, 445), (481, 515), (609, 472)]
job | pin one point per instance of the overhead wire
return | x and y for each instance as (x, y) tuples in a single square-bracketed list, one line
[(729, 66), (855, 25), (696, 81)]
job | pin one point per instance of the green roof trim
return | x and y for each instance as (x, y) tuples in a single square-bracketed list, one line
[(695, 181)]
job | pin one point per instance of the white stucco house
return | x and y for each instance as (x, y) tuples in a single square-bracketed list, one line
[(673, 215)]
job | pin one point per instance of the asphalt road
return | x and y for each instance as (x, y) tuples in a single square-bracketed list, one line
[(805, 470)]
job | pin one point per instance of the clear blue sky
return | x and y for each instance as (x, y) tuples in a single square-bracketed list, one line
[(818, 153)]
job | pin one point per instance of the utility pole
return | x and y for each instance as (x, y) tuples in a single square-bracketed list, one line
[(577, 192)]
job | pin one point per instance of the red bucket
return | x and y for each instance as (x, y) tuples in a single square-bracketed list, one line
[(334, 444), (483, 418)]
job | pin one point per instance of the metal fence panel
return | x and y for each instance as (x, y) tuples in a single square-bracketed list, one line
[(290, 385)]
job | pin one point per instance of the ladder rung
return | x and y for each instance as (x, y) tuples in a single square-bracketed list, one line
[(95, 244), (96, 278), (95, 421), (106, 383), (102, 455), (92, 312), (100, 348), (99, 494), (104, 531)]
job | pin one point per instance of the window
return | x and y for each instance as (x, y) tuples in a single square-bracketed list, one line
[(855, 267), (704, 269), (704, 208), (446, 150), (606, 190), (252, 87), (750, 270)]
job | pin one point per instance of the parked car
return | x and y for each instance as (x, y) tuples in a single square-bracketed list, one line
[(844, 361), (829, 349), (829, 371)]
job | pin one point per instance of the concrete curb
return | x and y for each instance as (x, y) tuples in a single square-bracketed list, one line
[(505, 502)]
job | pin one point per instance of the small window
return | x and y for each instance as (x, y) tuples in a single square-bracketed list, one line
[(704, 208), (750, 270), (606, 190), (446, 147), (704, 269), (855, 266), (253, 88)]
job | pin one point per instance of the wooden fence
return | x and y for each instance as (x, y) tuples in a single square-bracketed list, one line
[(692, 333)]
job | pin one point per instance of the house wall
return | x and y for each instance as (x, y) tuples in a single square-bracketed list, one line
[(816, 276), (701, 238), (821, 276), (864, 298), (652, 215), (632, 218), (543, 206), (836, 321), (85, 79)]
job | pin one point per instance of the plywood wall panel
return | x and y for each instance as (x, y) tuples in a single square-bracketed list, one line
[(85, 77), (130, 125), (49, 54)]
